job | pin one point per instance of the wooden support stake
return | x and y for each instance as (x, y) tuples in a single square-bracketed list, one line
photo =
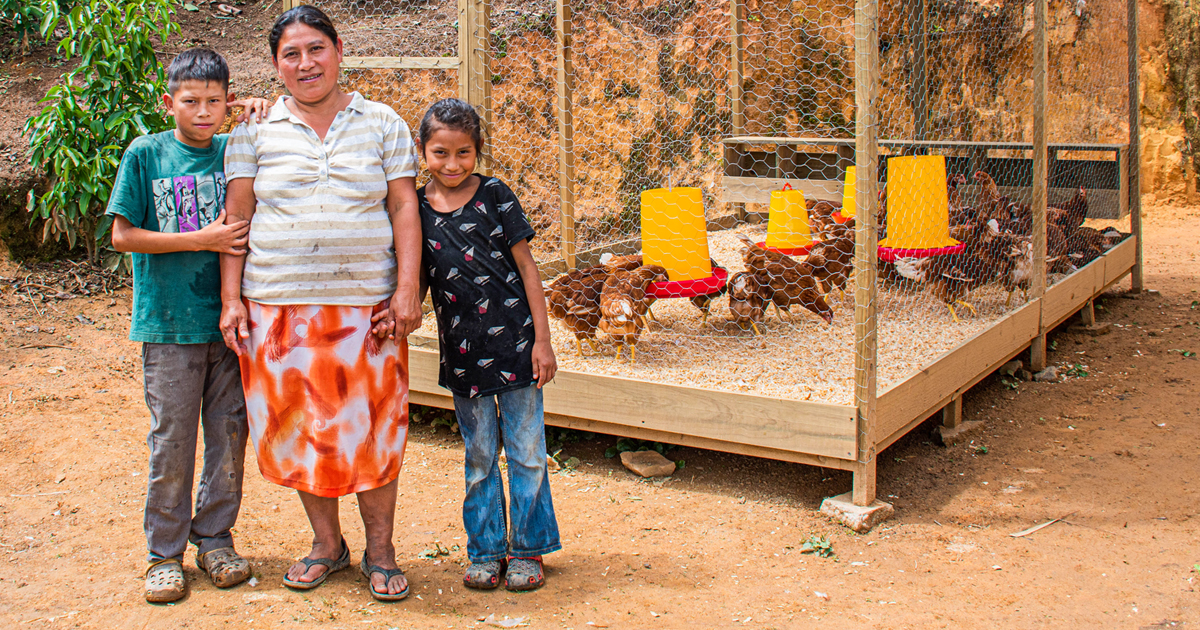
[(1037, 348), (1135, 148), (566, 135), (918, 33), (866, 125), (737, 119), (952, 413), (475, 69), (1087, 314)]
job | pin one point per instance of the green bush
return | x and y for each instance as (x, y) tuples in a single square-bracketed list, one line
[(23, 17), (112, 97)]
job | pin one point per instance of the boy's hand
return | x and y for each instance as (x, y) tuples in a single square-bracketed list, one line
[(544, 363), (224, 238), (256, 108), (235, 326)]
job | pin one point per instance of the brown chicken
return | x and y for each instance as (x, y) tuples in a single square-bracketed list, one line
[(820, 217), (575, 299), (1070, 215), (951, 277), (622, 305), (746, 302), (787, 280)]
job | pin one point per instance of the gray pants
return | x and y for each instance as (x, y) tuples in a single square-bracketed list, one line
[(188, 386)]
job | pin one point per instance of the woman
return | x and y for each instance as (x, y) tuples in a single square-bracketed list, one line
[(319, 308)]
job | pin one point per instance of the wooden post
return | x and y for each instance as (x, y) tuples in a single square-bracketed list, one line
[(737, 119), (1137, 279), (918, 32), (566, 135), (866, 134), (952, 413), (1037, 348), (1087, 314), (474, 74)]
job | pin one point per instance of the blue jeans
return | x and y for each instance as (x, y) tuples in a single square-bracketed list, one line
[(517, 420)]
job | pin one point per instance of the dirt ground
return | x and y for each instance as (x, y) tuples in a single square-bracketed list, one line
[(716, 545)]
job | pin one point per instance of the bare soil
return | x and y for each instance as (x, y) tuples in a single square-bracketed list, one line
[(716, 545)]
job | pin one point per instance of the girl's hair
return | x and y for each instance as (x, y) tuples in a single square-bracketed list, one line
[(454, 114), (307, 15)]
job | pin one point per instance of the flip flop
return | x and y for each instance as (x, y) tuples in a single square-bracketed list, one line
[(388, 574), (331, 566)]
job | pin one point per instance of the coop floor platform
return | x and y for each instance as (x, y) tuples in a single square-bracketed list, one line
[(788, 394)]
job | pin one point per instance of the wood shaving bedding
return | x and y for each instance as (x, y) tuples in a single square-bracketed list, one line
[(802, 359)]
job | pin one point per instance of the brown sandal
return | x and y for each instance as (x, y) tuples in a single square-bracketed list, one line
[(224, 566), (164, 581)]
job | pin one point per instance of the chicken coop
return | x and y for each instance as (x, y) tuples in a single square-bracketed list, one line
[(829, 219)]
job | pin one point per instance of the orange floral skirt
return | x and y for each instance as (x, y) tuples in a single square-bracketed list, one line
[(327, 401)]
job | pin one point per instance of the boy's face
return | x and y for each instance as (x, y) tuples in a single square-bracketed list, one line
[(199, 109)]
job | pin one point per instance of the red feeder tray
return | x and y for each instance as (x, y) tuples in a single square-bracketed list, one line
[(690, 288), (840, 218), (791, 251), (890, 254)]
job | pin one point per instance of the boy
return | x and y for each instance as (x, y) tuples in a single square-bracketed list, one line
[(167, 203)]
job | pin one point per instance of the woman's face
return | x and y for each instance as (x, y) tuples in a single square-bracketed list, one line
[(308, 62)]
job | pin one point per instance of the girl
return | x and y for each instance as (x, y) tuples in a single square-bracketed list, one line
[(495, 346)]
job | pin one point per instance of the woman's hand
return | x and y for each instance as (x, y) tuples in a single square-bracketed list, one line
[(402, 316), (235, 326), (256, 108), (544, 363)]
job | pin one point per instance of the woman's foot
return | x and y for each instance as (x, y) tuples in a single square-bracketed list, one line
[(524, 574), (164, 582), (386, 577), (311, 571), (484, 575)]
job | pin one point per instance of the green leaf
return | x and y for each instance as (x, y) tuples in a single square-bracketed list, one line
[(191, 7)]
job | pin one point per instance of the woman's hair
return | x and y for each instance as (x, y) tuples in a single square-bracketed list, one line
[(453, 114), (307, 15)]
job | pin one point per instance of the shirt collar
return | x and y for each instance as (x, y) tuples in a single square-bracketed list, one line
[(279, 111)]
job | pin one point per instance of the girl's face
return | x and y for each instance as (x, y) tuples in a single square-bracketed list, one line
[(450, 156), (308, 62)]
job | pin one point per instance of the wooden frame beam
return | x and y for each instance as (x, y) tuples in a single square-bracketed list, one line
[(866, 86), (737, 116), (401, 63), (1137, 282), (1037, 348), (566, 134), (474, 73)]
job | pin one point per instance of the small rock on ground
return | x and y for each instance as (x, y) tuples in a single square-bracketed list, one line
[(1047, 375), (647, 463)]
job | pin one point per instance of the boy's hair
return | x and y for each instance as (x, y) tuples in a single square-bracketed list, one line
[(307, 15), (454, 114), (197, 64)]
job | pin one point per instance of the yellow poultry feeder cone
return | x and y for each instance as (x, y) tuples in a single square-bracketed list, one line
[(787, 228), (847, 212), (674, 233), (918, 210)]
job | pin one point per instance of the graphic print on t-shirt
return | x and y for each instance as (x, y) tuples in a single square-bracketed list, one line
[(189, 202)]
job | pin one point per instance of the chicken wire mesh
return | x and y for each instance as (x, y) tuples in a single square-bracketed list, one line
[(712, 141)]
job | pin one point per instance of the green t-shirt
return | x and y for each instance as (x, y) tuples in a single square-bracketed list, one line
[(164, 185)]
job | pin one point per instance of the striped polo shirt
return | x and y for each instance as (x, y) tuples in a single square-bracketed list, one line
[(321, 233)]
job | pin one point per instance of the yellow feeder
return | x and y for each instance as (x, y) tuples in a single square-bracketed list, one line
[(848, 193), (674, 234), (918, 210), (787, 227)]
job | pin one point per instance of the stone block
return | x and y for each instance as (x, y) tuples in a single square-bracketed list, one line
[(859, 518), (950, 437), (647, 463)]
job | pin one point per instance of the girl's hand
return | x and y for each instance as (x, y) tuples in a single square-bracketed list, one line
[(256, 108), (398, 318), (235, 326), (544, 363)]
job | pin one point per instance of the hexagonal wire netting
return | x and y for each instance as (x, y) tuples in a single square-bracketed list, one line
[(715, 140)]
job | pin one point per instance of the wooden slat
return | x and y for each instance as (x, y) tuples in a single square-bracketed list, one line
[(1037, 348), (566, 135), (758, 189), (785, 425), (1066, 297), (945, 375), (401, 63), (924, 144), (475, 70)]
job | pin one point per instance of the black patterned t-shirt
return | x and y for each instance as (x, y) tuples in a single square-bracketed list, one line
[(485, 327)]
